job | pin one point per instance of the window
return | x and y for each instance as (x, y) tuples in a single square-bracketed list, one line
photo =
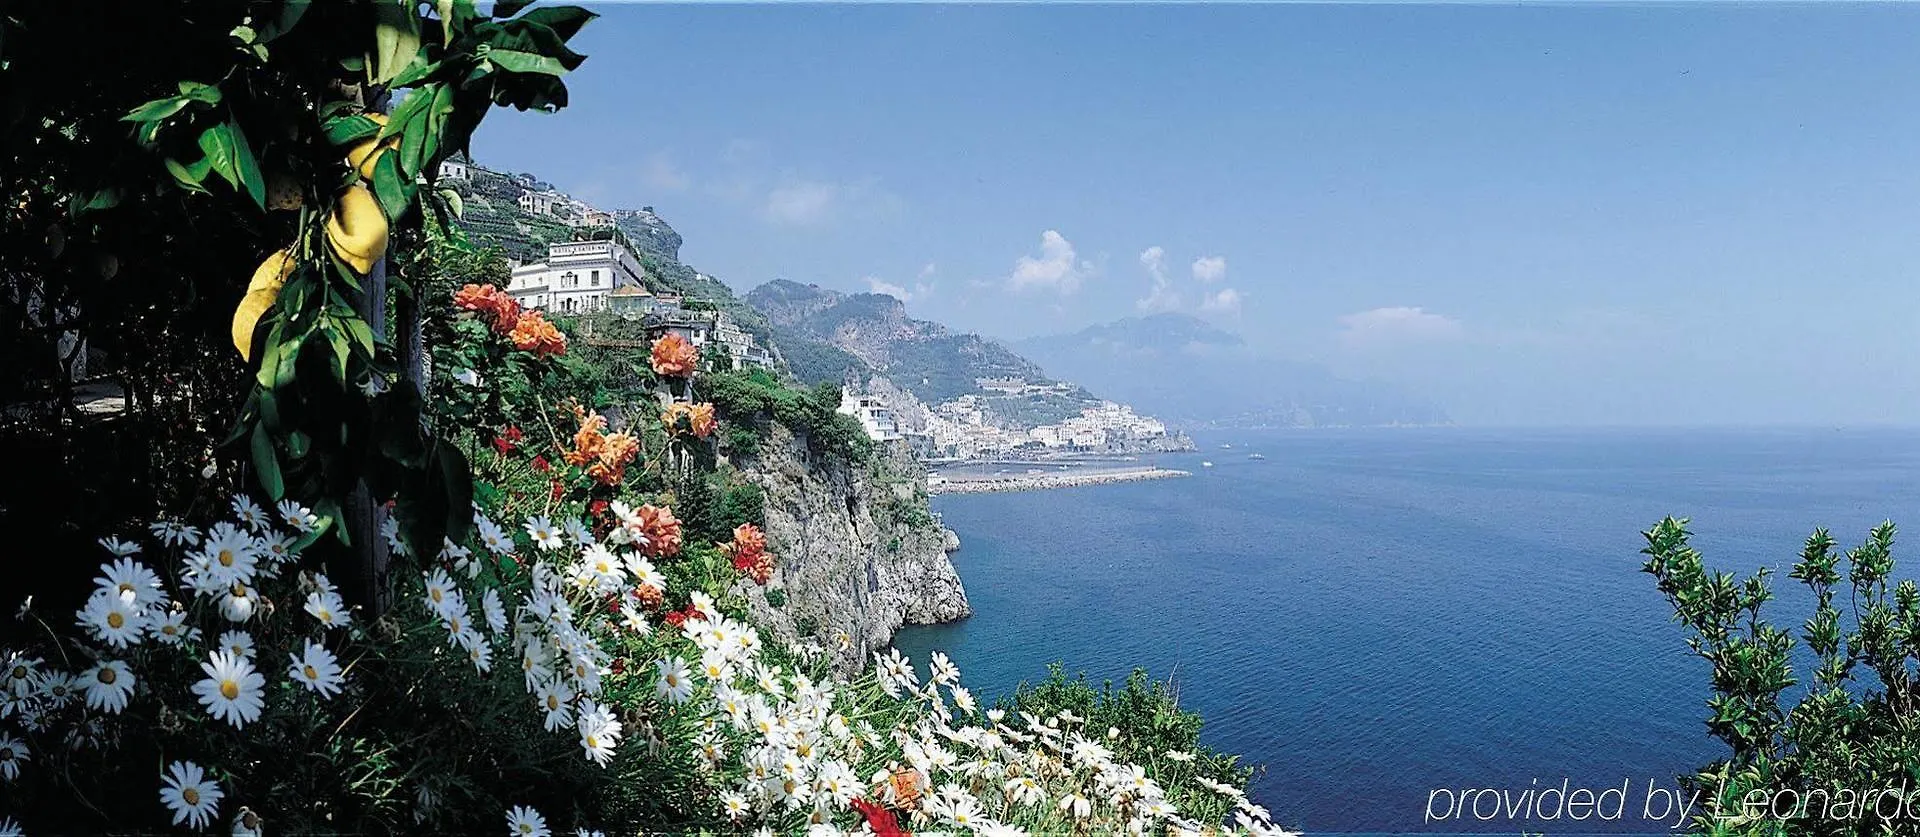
[(596, 278), (569, 279)]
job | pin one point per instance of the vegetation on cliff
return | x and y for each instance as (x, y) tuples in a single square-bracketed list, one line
[(447, 570)]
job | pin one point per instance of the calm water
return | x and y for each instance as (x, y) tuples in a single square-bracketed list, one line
[(1375, 614)]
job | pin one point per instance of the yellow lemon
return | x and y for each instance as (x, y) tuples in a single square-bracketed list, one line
[(366, 153), (357, 229), (261, 292)]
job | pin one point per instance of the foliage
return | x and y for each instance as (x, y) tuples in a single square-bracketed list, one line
[(813, 413), (1853, 726)]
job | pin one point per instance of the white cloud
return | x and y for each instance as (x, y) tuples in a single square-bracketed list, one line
[(881, 286), (1396, 325), (660, 173), (802, 203), (1057, 269), (1227, 301), (1210, 269), (1162, 296)]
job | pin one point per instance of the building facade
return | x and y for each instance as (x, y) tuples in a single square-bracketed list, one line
[(577, 277)]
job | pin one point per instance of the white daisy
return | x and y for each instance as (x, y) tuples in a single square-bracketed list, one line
[(10, 828), (942, 670), (175, 533), (390, 529), (599, 732), (171, 627), (109, 683), (633, 620), (523, 821), (556, 700), (298, 517), (329, 609), (239, 602), (317, 669), (132, 580), (240, 643), (480, 654), (193, 798), (228, 556), (493, 537), (439, 592), (675, 684), (232, 690), (276, 551), (579, 532), (120, 548), (250, 514), (113, 619), (544, 534), (13, 754), (735, 805), (58, 688)]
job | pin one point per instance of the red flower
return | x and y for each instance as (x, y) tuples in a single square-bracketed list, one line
[(880, 819), (540, 463), (501, 444), (558, 490), (597, 508), (619, 665), (514, 434), (676, 618)]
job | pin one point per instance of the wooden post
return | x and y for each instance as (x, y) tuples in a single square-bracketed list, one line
[(367, 584)]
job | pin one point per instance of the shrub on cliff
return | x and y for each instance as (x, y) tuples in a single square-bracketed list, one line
[(1806, 760)]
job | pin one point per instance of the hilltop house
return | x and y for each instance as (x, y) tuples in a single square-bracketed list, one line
[(577, 277), (874, 417)]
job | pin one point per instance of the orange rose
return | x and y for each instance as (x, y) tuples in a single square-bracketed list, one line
[(674, 357), (700, 418), (619, 451), (532, 333), (661, 529), (491, 302), (747, 539)]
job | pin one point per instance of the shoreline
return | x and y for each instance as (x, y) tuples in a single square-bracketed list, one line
[(1036, 482)]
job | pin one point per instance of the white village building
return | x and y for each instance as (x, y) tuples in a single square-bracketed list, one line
[(577, 277)]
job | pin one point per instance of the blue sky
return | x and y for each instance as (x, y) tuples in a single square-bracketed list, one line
[(1553, 214)]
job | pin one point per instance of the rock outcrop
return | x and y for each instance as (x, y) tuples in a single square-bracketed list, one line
[(858, 554)]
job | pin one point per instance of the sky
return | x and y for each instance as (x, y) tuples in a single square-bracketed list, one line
[(1561, 214)]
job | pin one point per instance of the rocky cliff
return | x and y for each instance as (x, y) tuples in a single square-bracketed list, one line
[(858, 552)]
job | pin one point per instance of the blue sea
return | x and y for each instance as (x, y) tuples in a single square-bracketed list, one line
[(1375, 615)]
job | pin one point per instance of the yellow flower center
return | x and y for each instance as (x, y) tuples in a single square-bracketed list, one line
[(593, 743), (116, 621), (310, 673), (19, 672), (553, 702), (191, 796), (106, 676), (435, 593), (229, 689), (226, 558), (126, 587)]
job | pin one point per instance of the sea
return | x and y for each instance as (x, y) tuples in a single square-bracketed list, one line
[(1391, 623)]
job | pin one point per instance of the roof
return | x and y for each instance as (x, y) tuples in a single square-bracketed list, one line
[(629, 290)]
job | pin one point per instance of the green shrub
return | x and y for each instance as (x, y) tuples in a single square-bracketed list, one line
[(1853, 726)]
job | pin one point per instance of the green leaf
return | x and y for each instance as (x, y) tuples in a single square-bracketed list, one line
[(298, 444), (156, 110), (362, 333), (83, 203), (396, 40), (347, 130), (455, 204), (247, 167), (565, 21), (269, 355), (394, 192), (509, 8), (200, 92), (218, 144), (267, 464), (290, 13), (516, 61), (269, 410), (191, 175), (337, 337)]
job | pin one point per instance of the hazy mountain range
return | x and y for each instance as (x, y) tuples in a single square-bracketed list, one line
[(1186, 370)]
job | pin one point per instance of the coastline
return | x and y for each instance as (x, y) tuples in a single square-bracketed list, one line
[(1033, 482)]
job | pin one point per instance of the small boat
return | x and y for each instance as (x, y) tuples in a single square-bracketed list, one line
[(1206, 464), (1256, 456), (1226, 446)]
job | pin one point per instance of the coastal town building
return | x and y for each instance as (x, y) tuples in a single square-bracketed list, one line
[(874, 416), (577, 277)]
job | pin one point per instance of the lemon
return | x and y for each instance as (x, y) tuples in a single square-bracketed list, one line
[(357, 229), (365, 154), (261, 293)]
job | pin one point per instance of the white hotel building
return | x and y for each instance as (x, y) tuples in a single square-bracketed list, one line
[(576, 278)]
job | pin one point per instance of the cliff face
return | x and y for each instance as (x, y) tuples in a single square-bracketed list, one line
[(857, 552)]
